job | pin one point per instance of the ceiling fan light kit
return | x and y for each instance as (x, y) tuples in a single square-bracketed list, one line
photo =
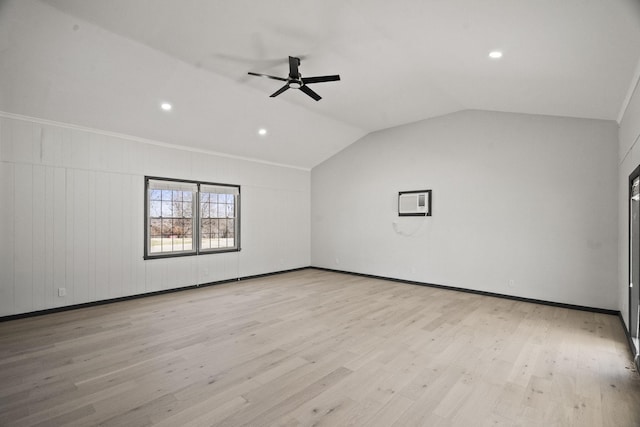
[(296, 81)]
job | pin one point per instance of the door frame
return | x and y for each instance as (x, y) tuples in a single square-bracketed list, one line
[(631, 327)]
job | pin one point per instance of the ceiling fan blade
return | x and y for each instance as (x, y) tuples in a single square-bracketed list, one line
[(320, 79), (282, 79), (311, 93), (293, 67), (279, 91)]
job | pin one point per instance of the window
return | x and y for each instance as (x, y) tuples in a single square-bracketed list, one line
[(190, 217)]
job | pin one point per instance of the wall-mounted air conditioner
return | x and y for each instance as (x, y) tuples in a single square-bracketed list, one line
[(414, 203)]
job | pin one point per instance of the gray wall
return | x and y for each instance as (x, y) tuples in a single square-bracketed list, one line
[(628, 160), (71, 216), (522, 205)]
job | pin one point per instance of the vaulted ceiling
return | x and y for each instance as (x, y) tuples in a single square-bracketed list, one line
[(109, 64)]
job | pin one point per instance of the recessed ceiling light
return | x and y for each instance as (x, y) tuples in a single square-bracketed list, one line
[(166, 106), (496, 54), (262, 131)]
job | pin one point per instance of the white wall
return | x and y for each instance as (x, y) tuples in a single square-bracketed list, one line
[(71, 215), (628, 160), (528, 199)]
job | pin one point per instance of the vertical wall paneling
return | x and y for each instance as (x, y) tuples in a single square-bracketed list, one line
[(81, 236), (39, 222), (71, 216), (48, 242), (127, 256), (59, 234), (51, 145), (91, 236), (70, 235), (115, 209), (6, 140), (137, 242), (67, 148), (97, 151), (7, 253), (101, 236), (78, 157), (23, 244), (156, 274), (23, 142)]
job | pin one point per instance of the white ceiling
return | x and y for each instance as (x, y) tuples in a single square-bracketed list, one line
[(400, 61)]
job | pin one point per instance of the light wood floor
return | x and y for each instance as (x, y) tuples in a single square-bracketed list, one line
[(317, 348)]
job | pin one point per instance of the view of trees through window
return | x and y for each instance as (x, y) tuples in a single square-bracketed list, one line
[(171, 220), (217, 223), (176, 226)]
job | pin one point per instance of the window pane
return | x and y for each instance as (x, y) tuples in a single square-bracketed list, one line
[(155, 228), (205, 233), (167, 210), (166, 228), (222, 228), (155, 209), (155, 245), (155, 195), (186, 210), (205, 209), (176, 209), (182, 244), (178, 228), (204, 197), (177, 196), (214, 228)]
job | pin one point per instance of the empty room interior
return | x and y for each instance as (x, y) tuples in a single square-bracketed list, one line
[(303, 213)]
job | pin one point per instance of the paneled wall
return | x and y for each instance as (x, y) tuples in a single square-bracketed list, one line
[(71, 216)]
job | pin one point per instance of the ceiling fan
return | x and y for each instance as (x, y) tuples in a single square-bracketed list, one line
[(296, 81)]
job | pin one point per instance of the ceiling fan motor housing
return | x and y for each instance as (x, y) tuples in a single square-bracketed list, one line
[(295, 84)]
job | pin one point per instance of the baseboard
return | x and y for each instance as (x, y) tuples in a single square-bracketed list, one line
[(477, 292), (136, 296)]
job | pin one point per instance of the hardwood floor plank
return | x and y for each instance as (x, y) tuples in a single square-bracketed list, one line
[(388, 414), (264, 412), (317, 348)]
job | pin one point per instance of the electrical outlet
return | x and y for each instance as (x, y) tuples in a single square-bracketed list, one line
[(512, 283), (62, 292)]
